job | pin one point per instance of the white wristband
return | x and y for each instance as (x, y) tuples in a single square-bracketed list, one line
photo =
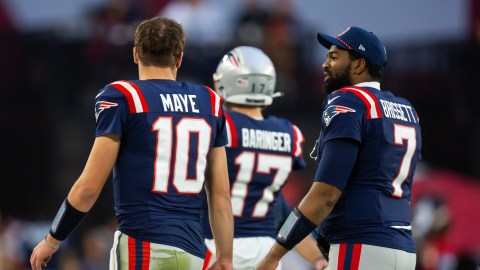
[(52, 246)]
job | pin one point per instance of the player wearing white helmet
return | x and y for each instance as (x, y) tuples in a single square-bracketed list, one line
[(261, 153), (246, 75)]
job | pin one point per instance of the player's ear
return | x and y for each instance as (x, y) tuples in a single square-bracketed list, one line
[(359, 65), (135, 55), (179, 61)]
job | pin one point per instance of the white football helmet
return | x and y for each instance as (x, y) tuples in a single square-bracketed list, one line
[(246, 75)]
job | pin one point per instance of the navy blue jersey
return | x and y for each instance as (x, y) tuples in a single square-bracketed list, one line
[(167, 129), (260, 156), (374, 207)]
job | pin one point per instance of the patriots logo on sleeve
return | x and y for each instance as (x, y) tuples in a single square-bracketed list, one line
[(332, 111), (102, 105)]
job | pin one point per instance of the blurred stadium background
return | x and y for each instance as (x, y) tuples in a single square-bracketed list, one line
[(56, 54)]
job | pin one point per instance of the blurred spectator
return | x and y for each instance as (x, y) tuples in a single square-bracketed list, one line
[(5, 23), (19, 237), (281, 44), (207, 23), (96, 244), (110, 23), (208, 26), (70, 260), (251, 24), (446, 230), (464, 61), (2, 243), (153, 7), (431, 222), (112, 27), (276, 29)]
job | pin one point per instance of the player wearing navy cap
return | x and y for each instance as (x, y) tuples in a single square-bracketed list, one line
[(261, 153), (366, 156), (165, 141)]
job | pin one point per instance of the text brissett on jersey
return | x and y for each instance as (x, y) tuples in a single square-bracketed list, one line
[(398, 111)]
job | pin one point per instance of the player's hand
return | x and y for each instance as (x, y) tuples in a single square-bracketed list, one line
[(42, 253), (320, 264), (221, 264)]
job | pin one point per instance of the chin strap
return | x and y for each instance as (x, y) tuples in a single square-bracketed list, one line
[(277, 94)]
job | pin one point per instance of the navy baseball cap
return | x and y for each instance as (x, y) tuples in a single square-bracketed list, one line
[(358, 40)]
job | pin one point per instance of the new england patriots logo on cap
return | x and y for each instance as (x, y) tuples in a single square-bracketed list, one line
[(102, 105), (332, 111)]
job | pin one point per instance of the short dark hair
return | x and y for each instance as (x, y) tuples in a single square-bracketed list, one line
[(159, 42), (375, 71)]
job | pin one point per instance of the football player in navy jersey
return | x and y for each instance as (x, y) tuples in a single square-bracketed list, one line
[(367, 151), (165, 141), (261, 153)]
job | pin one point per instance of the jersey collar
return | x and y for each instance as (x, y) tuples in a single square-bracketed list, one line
[(375, 85)]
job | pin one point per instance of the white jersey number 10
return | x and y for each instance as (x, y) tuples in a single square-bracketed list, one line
[(183, 129)]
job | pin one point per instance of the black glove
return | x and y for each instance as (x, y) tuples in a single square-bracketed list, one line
[(322, 244)]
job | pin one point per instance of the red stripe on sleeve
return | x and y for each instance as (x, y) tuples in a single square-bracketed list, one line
[(128, 96), (365, 101), (140, 95), (212, 99), (233, 131), (297, 141), (295, 138), (341, 256), (215, 102), (356, 90), (357, 251), (131, 253), (220, 109), (145, 255), (377, 105)]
